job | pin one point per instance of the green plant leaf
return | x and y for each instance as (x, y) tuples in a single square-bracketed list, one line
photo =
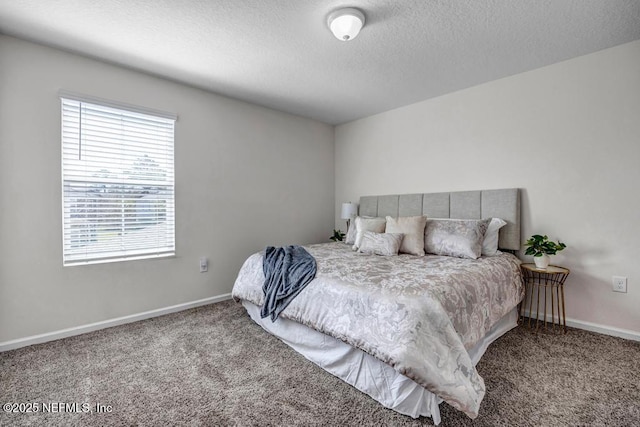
[(338, 236), (538, 245)]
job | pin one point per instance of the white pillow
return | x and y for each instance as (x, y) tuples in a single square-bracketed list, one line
[(350, 239), (460, 238), (376, 225), (413, 229), (386, 244), (490, 242)]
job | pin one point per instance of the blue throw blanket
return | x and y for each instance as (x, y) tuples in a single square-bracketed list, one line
[(287, 271)]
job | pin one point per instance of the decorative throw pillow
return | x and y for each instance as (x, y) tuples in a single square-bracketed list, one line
[(350, 238), (460, 238), (490, 241), (386, 244), (376, 225), (413, 229)]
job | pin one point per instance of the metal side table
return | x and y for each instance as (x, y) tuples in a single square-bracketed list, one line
[(538, 284)]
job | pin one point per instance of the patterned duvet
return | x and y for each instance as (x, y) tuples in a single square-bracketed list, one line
[(417, 314)]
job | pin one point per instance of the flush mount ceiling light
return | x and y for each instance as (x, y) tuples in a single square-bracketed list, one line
[(346, 23)]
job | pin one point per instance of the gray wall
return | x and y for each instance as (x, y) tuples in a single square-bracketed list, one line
[(567, 134), (246, 176)]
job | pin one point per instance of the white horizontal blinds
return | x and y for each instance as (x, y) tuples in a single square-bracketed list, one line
[(118, 183)]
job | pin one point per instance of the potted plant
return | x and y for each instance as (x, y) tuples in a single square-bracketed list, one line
[(541, 247), (338, 236)]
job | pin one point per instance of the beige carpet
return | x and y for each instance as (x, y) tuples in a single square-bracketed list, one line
[(214, 366)]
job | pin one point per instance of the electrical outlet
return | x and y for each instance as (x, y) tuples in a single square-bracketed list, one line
[(204, 265), (619, 284)]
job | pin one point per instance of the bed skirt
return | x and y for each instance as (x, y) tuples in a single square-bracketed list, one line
[(363, 371)]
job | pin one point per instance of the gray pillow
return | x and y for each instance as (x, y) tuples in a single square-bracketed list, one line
[(386, 244), (460, 238)]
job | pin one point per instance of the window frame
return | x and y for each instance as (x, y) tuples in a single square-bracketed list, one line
[(139, 195)]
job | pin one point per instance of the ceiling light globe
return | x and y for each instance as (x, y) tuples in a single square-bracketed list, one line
[(345, 24)]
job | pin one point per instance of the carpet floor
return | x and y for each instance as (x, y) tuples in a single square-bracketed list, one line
[(213, 366)]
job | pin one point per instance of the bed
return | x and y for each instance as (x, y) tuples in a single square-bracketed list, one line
[(406, 330)]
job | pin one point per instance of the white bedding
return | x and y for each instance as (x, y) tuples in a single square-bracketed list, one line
[(363, 371), (421, 316)]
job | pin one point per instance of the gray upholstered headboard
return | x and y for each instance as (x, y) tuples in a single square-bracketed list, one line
[(503, 203)]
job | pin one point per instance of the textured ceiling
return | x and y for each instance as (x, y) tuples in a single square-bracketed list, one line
[(280, 53)]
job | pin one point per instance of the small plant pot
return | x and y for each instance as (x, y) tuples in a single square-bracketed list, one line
[(542, 262)]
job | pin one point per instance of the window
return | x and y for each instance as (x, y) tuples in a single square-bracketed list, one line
[(118, 182)]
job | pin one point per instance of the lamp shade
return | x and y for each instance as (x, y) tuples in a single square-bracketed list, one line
[(346, 23), (349, 210)]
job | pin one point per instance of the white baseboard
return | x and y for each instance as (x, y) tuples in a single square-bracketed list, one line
[(77, 330), (595, 327)]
